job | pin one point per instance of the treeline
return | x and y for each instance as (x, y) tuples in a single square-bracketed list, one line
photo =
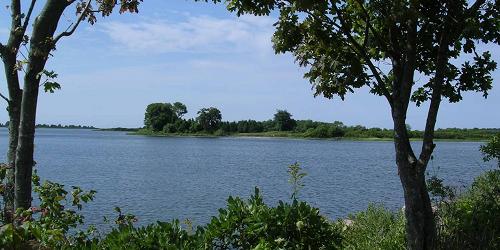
[(54, 126), (168, 119)]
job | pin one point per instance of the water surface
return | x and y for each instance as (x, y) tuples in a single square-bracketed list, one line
[(158, 178)]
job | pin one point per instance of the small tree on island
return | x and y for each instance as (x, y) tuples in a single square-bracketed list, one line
[(401, 50), (210, 119), (283, 120), (180, 109), (159, 115)]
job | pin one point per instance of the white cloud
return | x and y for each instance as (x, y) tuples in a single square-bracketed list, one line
[(194, 34)]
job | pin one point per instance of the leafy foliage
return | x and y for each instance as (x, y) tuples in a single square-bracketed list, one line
[(166, 123), (49, 84), (209, 119), (248, 224), (471, 221), (342, 42), (283, 120), (179, 109), (158, 115), (492, 149), (49, 224), (296, 174), (161, 235)]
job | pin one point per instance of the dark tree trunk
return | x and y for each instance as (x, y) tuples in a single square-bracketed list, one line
[(25, 148), (14, 110), (420, 224), (9, 58), (41, 44)]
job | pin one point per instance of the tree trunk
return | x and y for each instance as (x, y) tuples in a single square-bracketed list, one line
[(41, 44), (420, 224), (14, 110), (14, 116), (25, 147)]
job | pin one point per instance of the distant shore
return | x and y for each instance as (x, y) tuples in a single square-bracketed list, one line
[(272, 134), (56, 126)]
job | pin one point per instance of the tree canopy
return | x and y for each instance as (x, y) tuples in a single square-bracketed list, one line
[(160, 114), (179, 109), (344, 44), (209, 118), (283, 120)]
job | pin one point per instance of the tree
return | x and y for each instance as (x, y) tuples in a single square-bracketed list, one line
[(491, 150), (401, 50), (179, 109), (158, 115), (22, 103), (209, 118), (283, 120)]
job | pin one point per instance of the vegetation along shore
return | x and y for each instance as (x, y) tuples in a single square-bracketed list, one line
[(166, 119)]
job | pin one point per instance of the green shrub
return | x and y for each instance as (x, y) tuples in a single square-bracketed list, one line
[(252, 224), (491, 150), (169, 128), (375, 228), (49, 225), (220, 132), (472, 220), (161, 235), (322, 131)]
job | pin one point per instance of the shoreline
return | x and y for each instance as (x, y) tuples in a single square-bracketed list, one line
[(289, 136)]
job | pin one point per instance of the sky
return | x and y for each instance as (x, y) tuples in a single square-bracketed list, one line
[(204, 56)]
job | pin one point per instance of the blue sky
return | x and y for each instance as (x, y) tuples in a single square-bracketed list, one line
[(202, 55)]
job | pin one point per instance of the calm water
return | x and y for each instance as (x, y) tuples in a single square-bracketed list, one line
[(166, 178)]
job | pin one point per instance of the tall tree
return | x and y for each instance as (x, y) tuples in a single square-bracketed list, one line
[(283, 120), (22, 103), (180, 109), (210, 119), (158, 115), (387, 46)]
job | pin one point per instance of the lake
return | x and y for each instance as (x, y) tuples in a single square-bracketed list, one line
[(160, 178)]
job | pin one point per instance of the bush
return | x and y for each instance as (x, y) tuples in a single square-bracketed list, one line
[(322, 131), (161, 235), (220, 132), (375, 228), (251, 224), (48, 226), (491, 150), (472, 221), (169, 128)]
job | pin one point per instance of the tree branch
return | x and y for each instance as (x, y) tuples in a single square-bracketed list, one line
[(28, 16), (78, 21), (5, 98), (410, 60), (15, 6), (370, 26), (442, 58), (2, 49), (475, 7), (378, 75)]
